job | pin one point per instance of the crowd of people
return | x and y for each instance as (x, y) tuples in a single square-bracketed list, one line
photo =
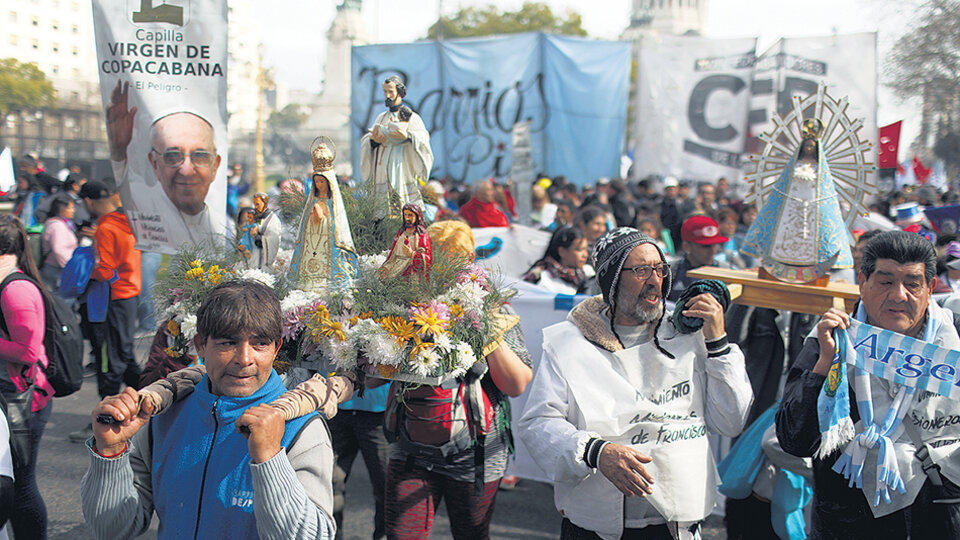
[(626, 393)]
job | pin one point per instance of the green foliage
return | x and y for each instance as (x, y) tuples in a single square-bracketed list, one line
[(490, 20), (289, 117), (291, 206), (23, 86), (370, 235)]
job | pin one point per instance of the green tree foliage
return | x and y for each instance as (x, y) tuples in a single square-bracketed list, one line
[(490, 20), (289, 117), (23, 87)]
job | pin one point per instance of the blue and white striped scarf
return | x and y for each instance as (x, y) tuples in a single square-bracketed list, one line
[(836, 427)]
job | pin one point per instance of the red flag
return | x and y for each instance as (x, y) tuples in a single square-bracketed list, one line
[(889, 144), (923, 173)]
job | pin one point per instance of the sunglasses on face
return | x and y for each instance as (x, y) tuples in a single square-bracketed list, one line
[(643, 271), (174, 157)]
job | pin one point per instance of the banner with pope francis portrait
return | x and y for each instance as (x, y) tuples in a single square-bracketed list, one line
[(163, 80)]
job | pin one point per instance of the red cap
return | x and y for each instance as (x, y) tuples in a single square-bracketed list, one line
[(702, 230)]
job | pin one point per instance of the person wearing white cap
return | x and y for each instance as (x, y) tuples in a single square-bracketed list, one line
[(184, 160)]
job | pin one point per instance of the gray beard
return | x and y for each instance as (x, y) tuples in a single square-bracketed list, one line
[(638, 313), (646, 315)]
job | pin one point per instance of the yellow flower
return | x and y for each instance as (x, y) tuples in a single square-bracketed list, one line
[(419, 345), (400, 329), (214, 279), (333, 328), (194, 273), (172, 353), (356, 318), (320, 314), (197, 264), (173, 327), (456, 311), (430, 322)]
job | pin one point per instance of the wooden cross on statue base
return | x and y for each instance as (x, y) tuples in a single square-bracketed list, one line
[(757, 287)]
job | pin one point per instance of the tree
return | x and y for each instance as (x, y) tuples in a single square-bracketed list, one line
[(925, 62), (289, 117), (22, 87), (489, 20)]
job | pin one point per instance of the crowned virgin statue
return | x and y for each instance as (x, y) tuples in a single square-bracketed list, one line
[(800, 233), (324, 256)]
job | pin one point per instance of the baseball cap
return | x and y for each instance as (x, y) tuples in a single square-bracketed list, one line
[(670, 181), (95, 189), (702, 230)]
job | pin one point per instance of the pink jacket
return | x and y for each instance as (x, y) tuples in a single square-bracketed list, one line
[(58, 241), (22, 307)]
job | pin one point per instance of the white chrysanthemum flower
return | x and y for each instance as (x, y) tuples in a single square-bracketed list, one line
[(465, 355), (376, 343), (442, 342), (340, 353), (297, 298), (384, 349), (426, 363), (256, 274), (188, 326), (372, 263), (170, 311)]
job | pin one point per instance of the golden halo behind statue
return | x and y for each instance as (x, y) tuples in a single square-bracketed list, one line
[(822, 117)]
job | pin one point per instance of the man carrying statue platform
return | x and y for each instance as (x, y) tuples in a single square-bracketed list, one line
[(192, 464), (619, 408), (884, 458)]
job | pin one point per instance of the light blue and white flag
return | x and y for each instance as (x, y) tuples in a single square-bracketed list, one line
[(904, 360), (908, 362)]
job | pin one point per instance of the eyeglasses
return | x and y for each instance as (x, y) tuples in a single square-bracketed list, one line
[(643, 271), (174, 157)]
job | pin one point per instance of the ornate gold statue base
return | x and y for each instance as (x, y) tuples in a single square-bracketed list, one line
[(753, 288)]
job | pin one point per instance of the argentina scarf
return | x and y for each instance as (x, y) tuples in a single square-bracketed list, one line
[(836, 426)]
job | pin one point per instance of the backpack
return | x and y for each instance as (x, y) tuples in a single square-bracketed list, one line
[(62, 341), (76, 273), (442, 421)]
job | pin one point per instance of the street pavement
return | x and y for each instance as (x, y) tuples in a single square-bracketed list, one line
[(526, 512)]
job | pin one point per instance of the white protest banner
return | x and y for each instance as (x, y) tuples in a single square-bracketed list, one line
[(510, 251), (163, 80), (847, 64), (692, 104), (904, 360)]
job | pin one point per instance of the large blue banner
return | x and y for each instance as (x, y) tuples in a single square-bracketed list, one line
[(471, 92)]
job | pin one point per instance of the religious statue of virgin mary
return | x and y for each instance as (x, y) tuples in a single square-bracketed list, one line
[(800, 233), (324, 256)]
